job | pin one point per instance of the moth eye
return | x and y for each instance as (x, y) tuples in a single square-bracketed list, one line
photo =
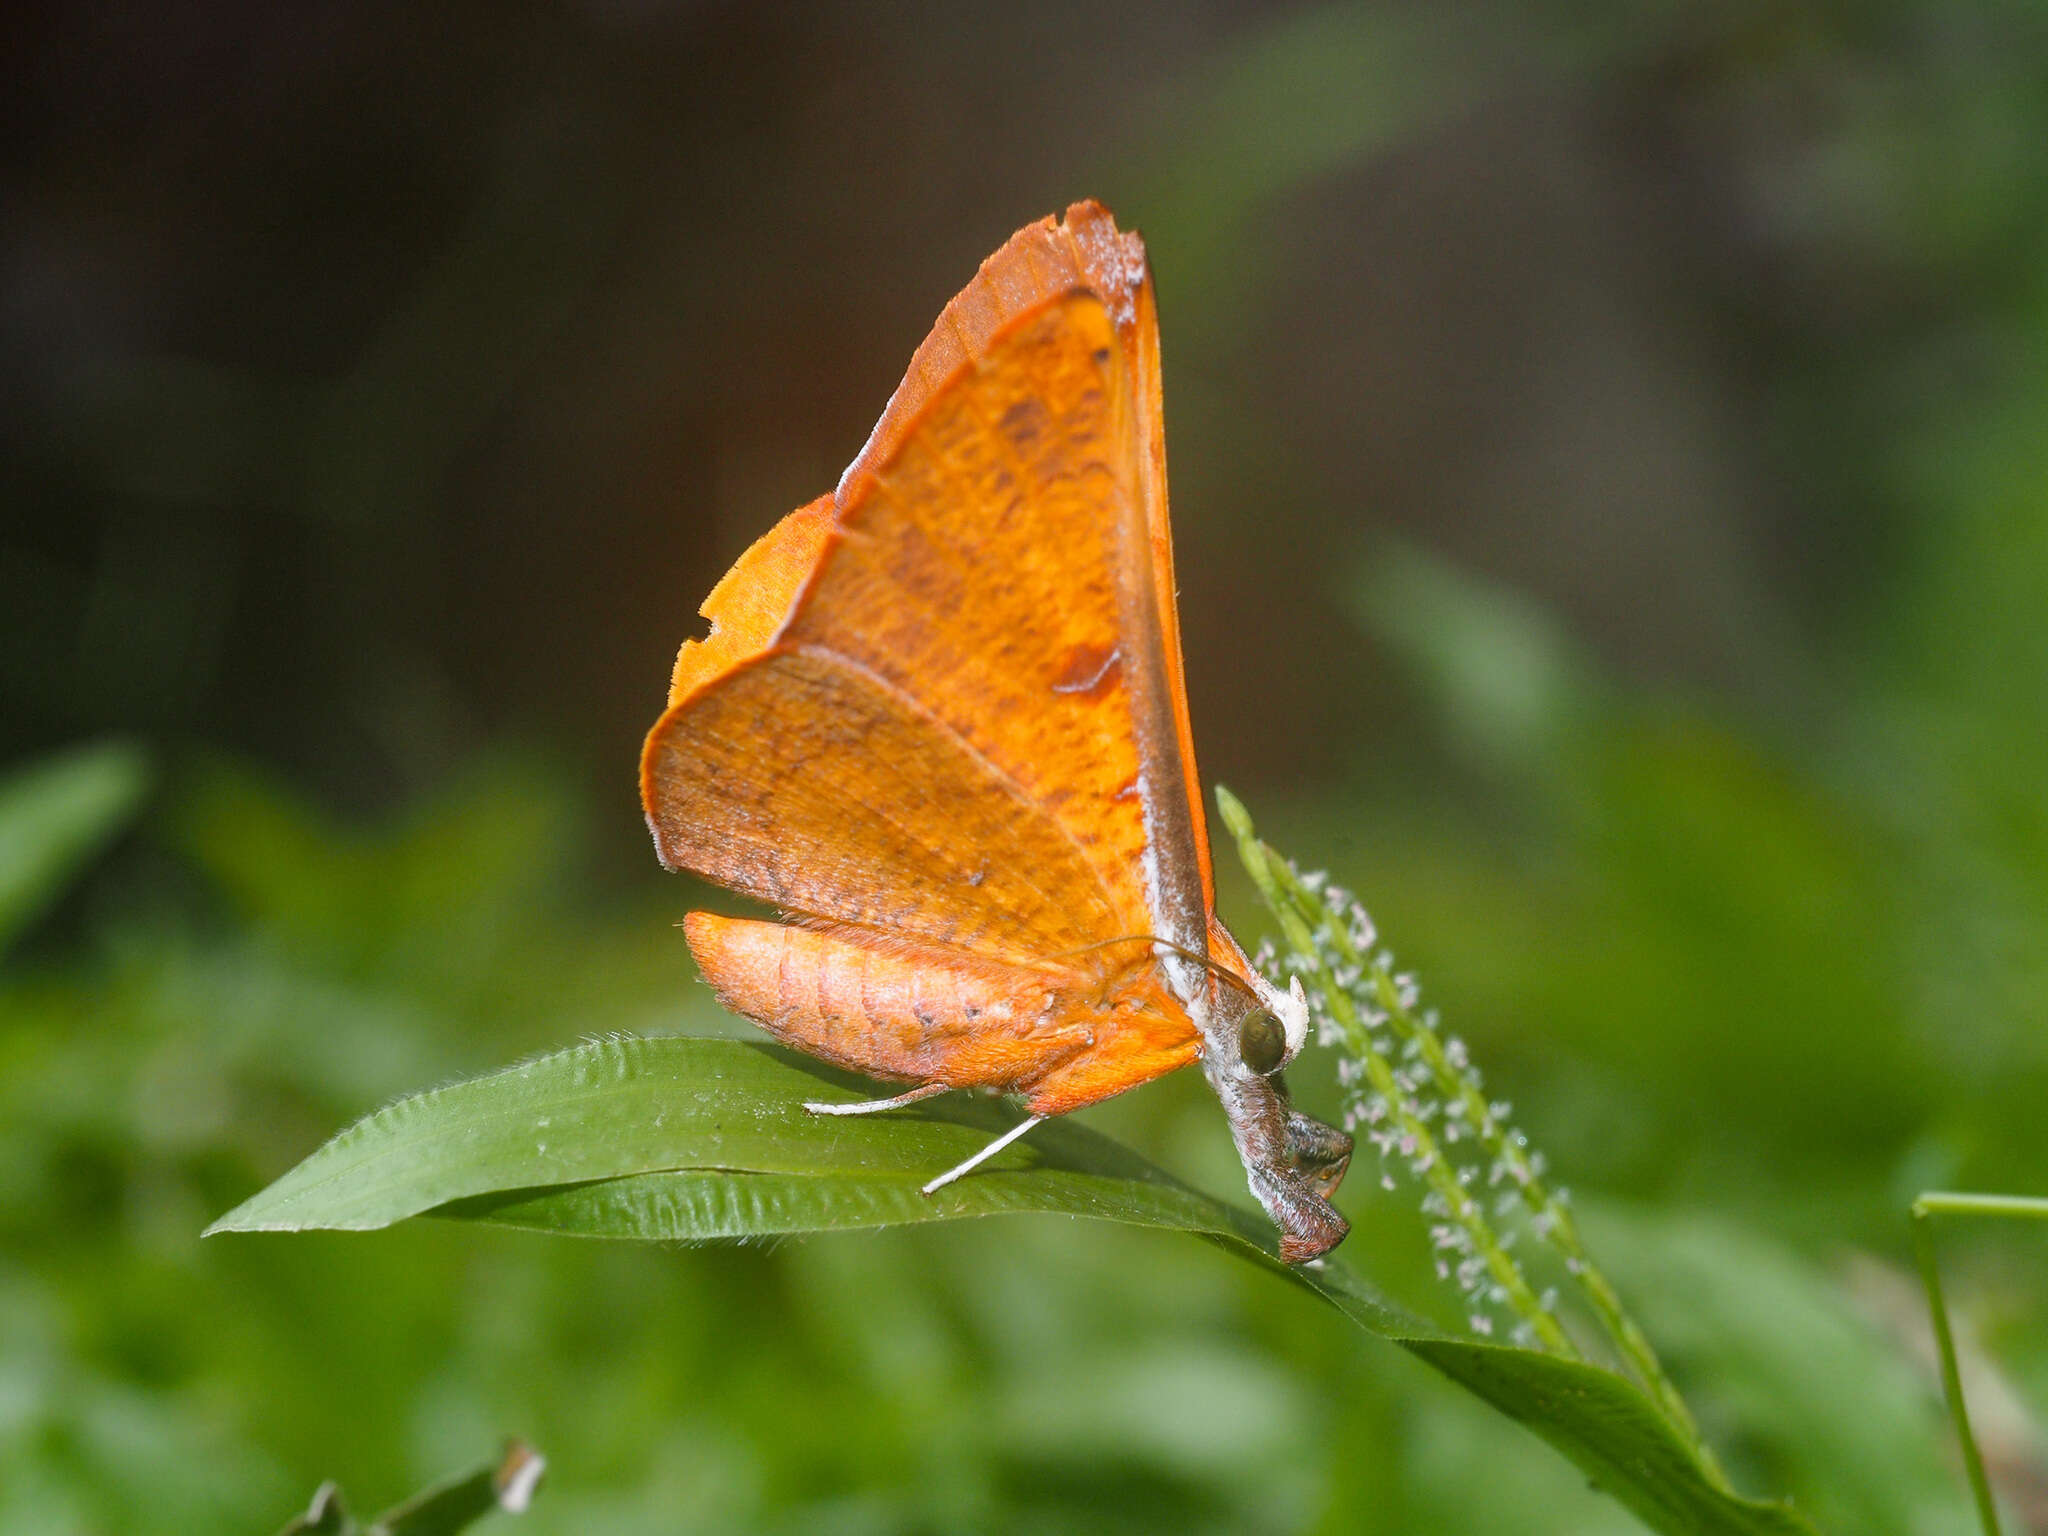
[(1262, 1042)]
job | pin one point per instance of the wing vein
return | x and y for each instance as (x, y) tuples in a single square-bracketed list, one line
[(879, 488), (996, 773)]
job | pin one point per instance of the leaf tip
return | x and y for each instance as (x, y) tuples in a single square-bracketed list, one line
[(254, 1214), (236, 1220)]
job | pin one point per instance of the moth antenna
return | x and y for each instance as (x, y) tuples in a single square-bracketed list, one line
[(1222, 973)]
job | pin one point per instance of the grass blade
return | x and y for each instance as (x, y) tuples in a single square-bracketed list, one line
[(54, 816)]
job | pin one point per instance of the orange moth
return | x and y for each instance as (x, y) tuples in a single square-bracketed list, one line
[(939, 723)]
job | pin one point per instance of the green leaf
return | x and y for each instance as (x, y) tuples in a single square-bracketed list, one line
[(692, 1140), (327, 1515), (54, 816), (506, 1484), (457, 1504)]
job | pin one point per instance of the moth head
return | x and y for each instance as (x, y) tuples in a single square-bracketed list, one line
[(1272, 1034)]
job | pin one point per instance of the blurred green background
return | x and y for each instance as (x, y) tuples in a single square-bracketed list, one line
[(1610, 455)]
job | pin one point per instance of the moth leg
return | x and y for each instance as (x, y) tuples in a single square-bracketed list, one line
[(1309, 1225), (983, 1155), (872, 1106)]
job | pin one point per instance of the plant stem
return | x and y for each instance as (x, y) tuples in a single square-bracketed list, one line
[(1925, 1209), (1359, 990), (1290, 904), (1442, 1176), (1552, 1218)]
